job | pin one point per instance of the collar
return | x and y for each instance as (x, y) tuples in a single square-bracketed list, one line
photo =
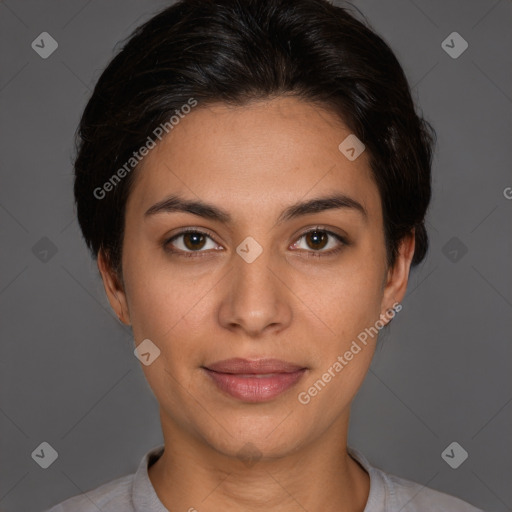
[(145, 499)]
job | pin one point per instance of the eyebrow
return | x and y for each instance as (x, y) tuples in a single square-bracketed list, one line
[(175, 203)]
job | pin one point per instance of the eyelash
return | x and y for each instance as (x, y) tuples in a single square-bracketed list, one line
[(310, 254)]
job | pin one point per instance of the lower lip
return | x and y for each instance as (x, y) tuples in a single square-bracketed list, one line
[(255, 389)]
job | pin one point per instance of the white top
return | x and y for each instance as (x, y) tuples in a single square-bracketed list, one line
[(135, 493)]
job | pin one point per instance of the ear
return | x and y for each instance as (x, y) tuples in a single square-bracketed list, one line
[(398, 277), (113, 288)]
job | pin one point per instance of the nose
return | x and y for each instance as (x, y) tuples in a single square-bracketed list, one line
[(256, 300)]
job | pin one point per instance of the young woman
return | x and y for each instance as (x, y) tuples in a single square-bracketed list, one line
[(253, 180)]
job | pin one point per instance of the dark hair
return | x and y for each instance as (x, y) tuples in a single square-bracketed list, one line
[(236, 51)]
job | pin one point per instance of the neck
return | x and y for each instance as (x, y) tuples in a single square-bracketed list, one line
[(318, 476)]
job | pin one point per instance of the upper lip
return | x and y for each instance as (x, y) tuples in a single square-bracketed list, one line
[(258, 366)]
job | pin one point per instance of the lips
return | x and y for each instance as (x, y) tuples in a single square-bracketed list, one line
[(254, 380), (259, 366)]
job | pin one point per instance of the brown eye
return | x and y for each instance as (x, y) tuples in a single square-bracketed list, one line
[(317, 239), (189, 243), (194, 240)]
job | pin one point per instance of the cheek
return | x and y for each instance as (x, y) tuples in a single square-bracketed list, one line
[(346, 301), (349, 306), (162, 304), (168, 310)]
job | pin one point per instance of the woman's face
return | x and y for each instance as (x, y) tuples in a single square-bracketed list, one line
[(252, 284)]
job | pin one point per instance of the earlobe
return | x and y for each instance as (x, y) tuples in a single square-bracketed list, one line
[(398, 276), (113, 288)]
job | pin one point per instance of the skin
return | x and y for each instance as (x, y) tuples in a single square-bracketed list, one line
[(254, 161)]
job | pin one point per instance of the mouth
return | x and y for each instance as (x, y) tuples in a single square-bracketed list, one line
[(254, 380)]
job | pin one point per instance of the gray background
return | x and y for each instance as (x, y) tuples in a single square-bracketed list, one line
[(443, 371)]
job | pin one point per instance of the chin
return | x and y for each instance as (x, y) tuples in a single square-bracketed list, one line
[(255, 437)]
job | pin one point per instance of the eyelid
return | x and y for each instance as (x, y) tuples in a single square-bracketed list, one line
[(330, 231), (184, 231), (342, 239)]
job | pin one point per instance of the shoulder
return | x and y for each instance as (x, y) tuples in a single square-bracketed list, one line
[(128, 493), (412, 497), (112, 496), (389, 493)]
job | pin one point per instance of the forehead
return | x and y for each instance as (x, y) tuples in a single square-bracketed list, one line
[(256, 156)]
